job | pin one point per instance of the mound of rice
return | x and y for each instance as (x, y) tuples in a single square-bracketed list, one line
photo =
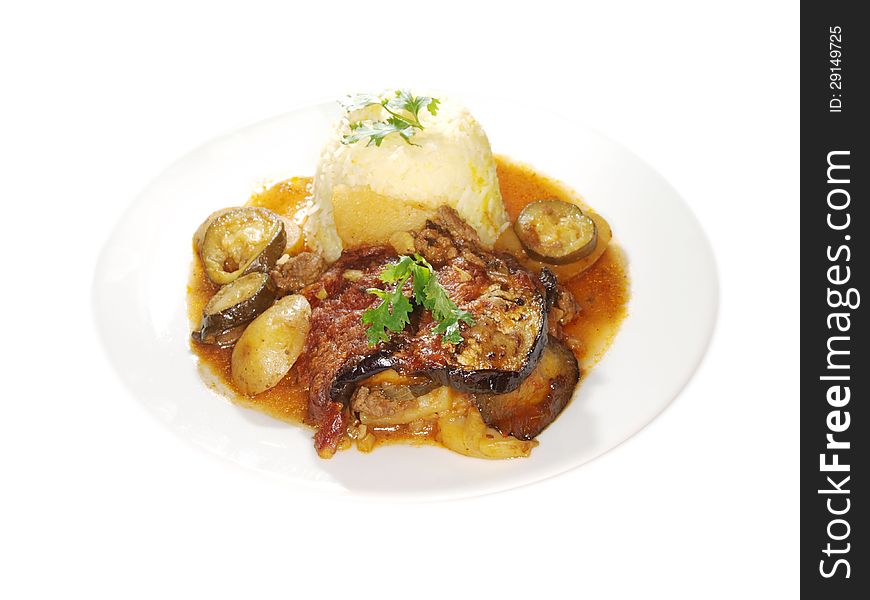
[(451, 164)]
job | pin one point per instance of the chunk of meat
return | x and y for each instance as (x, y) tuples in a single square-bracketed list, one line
[(336, 343), (381, 401), (297, 272), (565, 309), (508, 302), (445, 237)]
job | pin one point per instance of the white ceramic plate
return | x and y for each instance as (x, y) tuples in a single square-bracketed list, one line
[(139, 301)]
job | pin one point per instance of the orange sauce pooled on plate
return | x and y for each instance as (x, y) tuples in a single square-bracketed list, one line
[(601, 291)]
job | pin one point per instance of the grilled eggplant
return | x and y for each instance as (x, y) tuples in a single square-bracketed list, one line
[(236, 304), (241, 241), (199, 235), (222, 339), (556, 232), (337, 355), (504, 344), (510, 243), (539, 399), (508, 302)]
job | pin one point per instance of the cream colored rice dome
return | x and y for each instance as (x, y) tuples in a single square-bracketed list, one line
[(379, 189)]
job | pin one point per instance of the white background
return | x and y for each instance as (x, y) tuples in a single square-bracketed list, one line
[(100, 501)]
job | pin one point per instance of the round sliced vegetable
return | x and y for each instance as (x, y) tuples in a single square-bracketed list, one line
[(509, 242), (555, 231), (242, 241), (237, 303), (199, 236), (270, 345), (222, 339)]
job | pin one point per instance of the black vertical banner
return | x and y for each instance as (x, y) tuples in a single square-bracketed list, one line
[(835, 368)]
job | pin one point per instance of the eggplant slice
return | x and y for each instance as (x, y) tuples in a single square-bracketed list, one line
[(503, 346), (526, 411), (556, 232), (337, 355), (508, 302), (235, 304), (241, 241)]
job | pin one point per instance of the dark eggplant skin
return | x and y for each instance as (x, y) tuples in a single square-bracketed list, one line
[(551, 286), (345, 381), (509, 304), (525, 229), (243, 312), (528, 410), (481, 381), (222, 339), (266, 260), (501, 381)]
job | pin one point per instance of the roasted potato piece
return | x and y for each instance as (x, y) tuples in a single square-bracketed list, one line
[(270, 345), (526, 411), (241, 241)]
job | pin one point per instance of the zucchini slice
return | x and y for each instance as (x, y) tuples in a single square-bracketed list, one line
[(241, 241), (556, 232), (237, 303), (222, 339), (199, 235)]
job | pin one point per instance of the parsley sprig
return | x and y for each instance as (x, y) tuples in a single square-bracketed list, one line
[(392, 314), (404, 110)]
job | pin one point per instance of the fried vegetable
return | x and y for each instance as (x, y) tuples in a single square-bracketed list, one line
[(555, 231), (503, 346), (392, 314), (270, 345), (509, 242), (467, 434), (222, 339), (509, 304), (241, 241), (237, 303), (199, 235), (526, 411)]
